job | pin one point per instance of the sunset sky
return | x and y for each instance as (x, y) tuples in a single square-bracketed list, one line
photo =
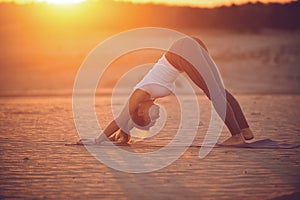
[(200, 3)]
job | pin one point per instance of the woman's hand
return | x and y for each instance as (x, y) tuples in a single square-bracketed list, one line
[(120, 137), (124, 138)]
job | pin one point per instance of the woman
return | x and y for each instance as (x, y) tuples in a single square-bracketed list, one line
[(141, 112)]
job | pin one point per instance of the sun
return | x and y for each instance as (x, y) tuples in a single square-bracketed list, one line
[(62, 1)]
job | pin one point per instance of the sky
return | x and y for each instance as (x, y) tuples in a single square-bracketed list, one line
[(197, 3), (205, 3)]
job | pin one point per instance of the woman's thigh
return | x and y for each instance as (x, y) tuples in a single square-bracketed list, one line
[(186, 55)]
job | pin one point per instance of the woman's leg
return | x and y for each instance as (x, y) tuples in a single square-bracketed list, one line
[(236, 108), (194, 75), (193, 72), (240, 117), (238, 113)]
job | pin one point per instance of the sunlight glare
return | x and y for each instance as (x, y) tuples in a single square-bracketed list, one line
[(62, 1)]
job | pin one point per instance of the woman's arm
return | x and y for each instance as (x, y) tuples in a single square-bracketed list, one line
[(121, 122), (121, 137), (108, 131)]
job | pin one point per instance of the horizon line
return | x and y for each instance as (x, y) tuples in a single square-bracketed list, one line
[(233, 4)]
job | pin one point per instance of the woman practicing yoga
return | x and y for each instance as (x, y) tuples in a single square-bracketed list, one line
[(141, 112)]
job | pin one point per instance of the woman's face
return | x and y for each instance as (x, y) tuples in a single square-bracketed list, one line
[(148, 111)]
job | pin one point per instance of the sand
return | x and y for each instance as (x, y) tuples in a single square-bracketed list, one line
[(36, 121), (36, 164)]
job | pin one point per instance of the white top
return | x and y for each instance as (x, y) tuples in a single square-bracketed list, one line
[(160, 80)]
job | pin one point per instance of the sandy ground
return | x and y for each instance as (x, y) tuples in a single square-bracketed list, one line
[(36, 121), (36, 164)]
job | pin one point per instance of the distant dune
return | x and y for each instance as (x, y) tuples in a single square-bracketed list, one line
[(122, 15)]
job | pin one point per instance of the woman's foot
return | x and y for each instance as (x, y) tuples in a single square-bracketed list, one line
[(234, 140), (247, 133)]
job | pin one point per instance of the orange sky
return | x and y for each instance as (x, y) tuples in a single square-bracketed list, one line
[(201, 3), (206, 3)]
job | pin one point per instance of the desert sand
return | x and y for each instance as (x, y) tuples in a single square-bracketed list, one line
[(36, 164), (36, 121)]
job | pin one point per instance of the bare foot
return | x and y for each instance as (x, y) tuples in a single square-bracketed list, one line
[(234, 140), (247, 133)]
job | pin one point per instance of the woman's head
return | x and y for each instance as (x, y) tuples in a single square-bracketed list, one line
[(146, 114)]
